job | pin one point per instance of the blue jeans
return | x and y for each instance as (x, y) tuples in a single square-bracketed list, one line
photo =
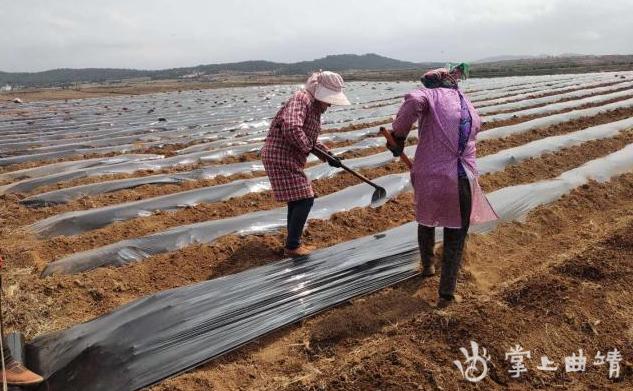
[(297, 216)]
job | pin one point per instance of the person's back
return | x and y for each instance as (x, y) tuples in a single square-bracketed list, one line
[(294, 134), (438, 124), (444, 173), (296, 109), (439, 158)]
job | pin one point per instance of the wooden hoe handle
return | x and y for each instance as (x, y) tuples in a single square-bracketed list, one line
[(392, 142)]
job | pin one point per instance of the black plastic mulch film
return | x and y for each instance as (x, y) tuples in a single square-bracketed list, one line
[(172, 331)]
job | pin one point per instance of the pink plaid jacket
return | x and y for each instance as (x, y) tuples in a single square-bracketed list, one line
[(292, 135), (434, 173)]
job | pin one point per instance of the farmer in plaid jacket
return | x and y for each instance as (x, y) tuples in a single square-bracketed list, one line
[(292, 136)]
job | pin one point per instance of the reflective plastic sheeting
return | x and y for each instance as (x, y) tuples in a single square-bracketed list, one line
[(71, 223), (75, 222), (55, 168), (172, 331), (526, 96), (6, 161), (503, 158), (554, 107), (28, 185), (553, 98), (68, 194), (132, 250), (504, 95), (504, 131), (325, 137), (71, 193), (222, 143), (516, 201), (63, 196)]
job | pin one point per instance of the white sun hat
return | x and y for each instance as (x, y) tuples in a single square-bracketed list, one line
[(329, 88)]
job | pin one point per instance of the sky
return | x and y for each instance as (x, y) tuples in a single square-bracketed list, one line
[(154, 34)]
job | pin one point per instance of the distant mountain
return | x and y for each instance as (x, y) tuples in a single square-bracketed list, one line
[(572, 55), (354, 67), (64, 76), (506, 58), (527, 57), (342, 62)]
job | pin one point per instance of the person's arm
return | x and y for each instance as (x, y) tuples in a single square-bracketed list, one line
[(322, 147), (324, 154), (292, 124), (410, 111)]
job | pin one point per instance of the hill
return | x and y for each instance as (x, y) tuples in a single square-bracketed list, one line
[(352, 66), (343, 62)]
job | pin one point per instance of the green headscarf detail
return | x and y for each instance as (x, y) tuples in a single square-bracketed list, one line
[(461, 69), (446, 77)]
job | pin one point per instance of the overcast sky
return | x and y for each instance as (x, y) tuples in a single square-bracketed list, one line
[(153, 34)]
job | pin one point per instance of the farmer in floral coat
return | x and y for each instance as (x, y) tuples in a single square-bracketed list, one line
[(292, 136), (444, 174)]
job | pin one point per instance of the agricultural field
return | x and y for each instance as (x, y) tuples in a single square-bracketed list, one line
[(143, 248)]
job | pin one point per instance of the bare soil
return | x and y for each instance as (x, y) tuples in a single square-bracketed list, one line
[(23, 215), (83, 296), (548, 166), (554, 283)]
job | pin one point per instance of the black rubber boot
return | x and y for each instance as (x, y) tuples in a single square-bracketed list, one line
[(454, 240), (426, 242), (451, 261)]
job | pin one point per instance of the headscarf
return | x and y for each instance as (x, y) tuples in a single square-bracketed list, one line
[(446, 77)]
